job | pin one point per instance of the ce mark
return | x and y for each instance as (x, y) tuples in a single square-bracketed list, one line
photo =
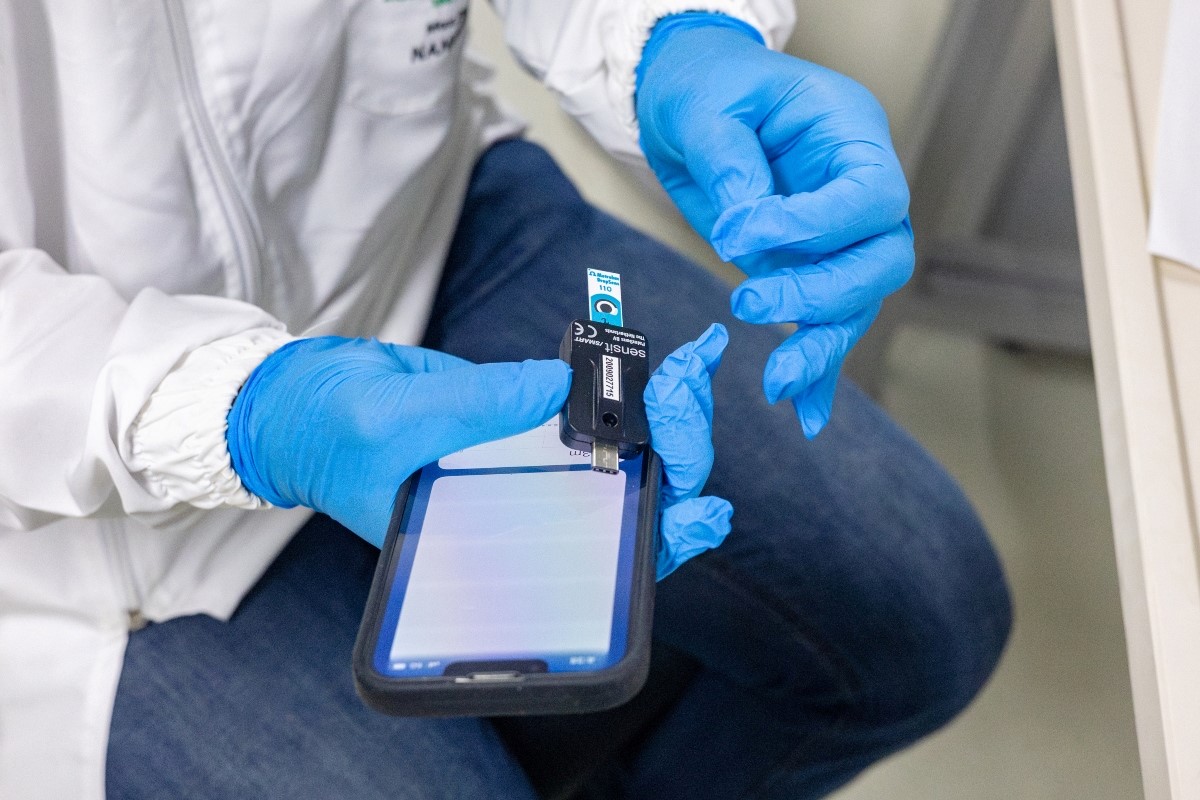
[(591, 329)]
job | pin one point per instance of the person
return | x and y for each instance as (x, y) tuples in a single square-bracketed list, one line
[(195, 197)]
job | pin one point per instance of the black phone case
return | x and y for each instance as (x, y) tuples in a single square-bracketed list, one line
[(534, 693)]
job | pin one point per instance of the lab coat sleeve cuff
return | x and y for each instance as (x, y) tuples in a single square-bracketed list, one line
[(623, 48), (178, 440)]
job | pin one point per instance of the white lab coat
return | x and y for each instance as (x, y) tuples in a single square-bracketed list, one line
[(1175, 203), (180, 184)]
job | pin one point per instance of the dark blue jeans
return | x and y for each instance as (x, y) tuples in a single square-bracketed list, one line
[(856, 606)]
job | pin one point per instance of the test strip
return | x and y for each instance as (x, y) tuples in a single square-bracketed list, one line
[(604, 297)]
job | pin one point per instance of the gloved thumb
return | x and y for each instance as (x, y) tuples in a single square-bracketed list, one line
[(458, 408), (726, 160)]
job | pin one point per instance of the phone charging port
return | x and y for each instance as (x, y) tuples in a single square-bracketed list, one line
[(489, 677)]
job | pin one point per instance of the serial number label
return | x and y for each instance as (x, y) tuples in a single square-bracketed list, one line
[(610, 369)]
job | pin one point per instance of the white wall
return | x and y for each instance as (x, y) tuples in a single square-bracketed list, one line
[(886, 44)]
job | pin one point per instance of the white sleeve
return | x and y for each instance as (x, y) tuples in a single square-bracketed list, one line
[(177, 444), (109, 403), (586, 51), (110, 406)]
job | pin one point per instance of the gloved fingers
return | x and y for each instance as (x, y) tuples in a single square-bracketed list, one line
[(679, 407), (681, 432), (815, 404), (769, 261), (861, 201), (831, 122), (481, 403), (689, 198), (832, 289), (710, 346), (811, 352), (689, 528), (695, 363), (422, 359), (726, 160)]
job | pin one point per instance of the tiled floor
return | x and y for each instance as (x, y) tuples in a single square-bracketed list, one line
[(1022, 435)]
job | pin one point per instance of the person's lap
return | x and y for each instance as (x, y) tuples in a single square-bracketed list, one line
[(857, 599), (264, 706), (856, 605)]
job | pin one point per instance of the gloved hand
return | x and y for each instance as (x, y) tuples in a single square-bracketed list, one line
[(337, 424), (788, 169), (679, 407)]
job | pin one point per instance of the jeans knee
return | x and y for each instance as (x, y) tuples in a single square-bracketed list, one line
[(966, 657), (955, 629)]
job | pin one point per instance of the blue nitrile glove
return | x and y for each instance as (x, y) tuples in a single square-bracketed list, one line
[(679, 406), (337, 424), (789, 170)]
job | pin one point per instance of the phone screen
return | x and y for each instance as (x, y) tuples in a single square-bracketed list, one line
[(514, 553)]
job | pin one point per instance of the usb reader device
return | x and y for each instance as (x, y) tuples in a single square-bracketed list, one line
[(605, 411)]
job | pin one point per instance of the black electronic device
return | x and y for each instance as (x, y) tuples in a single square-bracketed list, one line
[(605, 413)]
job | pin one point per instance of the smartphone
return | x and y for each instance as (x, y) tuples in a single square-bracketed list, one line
[(514, 580)]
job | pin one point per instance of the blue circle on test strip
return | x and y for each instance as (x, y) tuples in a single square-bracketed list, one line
[(606, 308)]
